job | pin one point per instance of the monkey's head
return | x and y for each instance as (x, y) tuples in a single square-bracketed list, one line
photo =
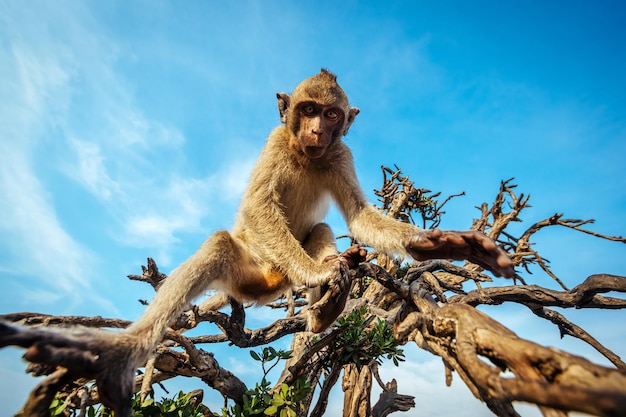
[(317, 114)]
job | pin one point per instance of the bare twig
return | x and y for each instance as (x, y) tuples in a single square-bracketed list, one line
[(427, 304)]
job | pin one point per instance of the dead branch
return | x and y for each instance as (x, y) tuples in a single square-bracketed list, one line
[(204, 367), (390, 401), (45, 320), (329, 382), (582, 296), (150, 274), (357, 387), (500, 218), (399, 198), (568, 328), (464, 335), (426, 303), (38, 402)]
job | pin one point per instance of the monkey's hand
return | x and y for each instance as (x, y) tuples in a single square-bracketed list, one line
[(340, 282), (341, 264), (334, 274), (353, 256), (335, 292), (471, 245)]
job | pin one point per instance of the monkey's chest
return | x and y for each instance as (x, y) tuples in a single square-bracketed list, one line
[(306, 211)]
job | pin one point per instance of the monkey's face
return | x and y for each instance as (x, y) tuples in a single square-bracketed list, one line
[(316, 114), (318, 125)]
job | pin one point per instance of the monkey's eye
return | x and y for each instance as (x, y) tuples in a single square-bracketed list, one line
[(309, 109), (332, 114)]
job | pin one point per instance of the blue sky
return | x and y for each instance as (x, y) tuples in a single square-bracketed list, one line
[(127, 131)]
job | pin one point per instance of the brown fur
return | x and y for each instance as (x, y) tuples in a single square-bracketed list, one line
[(278, 240)]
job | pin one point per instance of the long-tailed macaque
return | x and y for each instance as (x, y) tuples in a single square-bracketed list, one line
[(278, 240)]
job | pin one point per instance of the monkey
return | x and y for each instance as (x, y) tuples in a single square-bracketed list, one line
[(279, 239)]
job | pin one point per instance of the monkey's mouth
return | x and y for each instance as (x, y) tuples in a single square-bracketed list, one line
[(314, 152)]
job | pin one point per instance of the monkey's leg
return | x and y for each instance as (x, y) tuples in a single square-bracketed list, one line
[(219, 258), (215, 302), (328, 301), (319, 244), (111, 358)]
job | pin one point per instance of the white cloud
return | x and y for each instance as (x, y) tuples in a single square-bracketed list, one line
[(32, 232), (66, 87), (36, 98), (154, 217), (90, 169), (180, 205), (233, 177), (40, 81), (241, 368), (424, 378), (154, 229)]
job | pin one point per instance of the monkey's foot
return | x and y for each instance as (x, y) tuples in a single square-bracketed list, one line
[(325, 311), (89, 353)]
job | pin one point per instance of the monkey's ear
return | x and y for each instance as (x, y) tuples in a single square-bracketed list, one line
[(351, 116), (283, 105)]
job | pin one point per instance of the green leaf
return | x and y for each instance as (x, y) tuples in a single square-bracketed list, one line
[(287, 412), (58, 408), (286, 354), (278, 400), (269, 354)]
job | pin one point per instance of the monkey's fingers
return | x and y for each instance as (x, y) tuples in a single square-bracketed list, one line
[(354, 255), (24, 336), (116, 385), (498, 266), (472, 246), (325, 311), (500, 262), (497, 261), (503, 265), (342, 281), (480, 249), (486, 253), (426, 240), (85, 353)]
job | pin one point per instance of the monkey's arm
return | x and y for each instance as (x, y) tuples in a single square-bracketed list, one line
[(274, 240), (388, 235), (472, 245), (263, 224), (373, 228)]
